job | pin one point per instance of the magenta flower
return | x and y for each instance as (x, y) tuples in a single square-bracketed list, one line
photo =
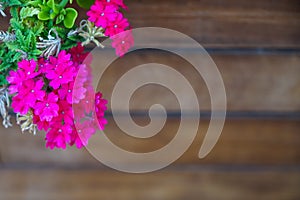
[(42, 63), (19, 105), (60, 70), (88, 102), (41, 125), (31, 92), (78, 92), (102, 14), (48, 108), (117, 26), (65, 113), (82, 134), (15, 79), (100, 108), (29, 67), (122, 42), (77, 53), (58, 136), (66, 91)]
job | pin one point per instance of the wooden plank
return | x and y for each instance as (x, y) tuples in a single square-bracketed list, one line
[(173, 185), (252, 82), (242, 142), (223, 24), (214, 23)]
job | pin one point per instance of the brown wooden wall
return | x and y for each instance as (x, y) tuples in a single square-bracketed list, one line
[(256, 46)]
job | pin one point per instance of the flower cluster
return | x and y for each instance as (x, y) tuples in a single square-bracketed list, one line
[(42, 74), (49, 89), (106, 14)]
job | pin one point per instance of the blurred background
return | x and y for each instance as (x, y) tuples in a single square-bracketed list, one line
[(256, 46)]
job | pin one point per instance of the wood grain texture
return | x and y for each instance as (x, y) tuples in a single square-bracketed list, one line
[(213, 23), (262, 142), (252, 82), (224, 23), (171, 185)]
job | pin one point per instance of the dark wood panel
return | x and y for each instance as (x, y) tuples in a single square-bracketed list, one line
[(252, 82), (252, 142), (171, 185)]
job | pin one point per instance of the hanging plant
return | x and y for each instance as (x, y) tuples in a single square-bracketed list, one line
[(41, 55)]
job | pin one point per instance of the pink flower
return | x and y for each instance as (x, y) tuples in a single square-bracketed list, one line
[(78, 92), (19, 105), (89, 101), (41, 125), (31, 91), (26, 70), (116, 26), (100, 108), (58, 136), (60, 70), (42, 63), (102, 14), (15, 79), (66, 92), (122, 42), (48, 108), (65, 113), (29, 67), (82, 133), (77, 53)]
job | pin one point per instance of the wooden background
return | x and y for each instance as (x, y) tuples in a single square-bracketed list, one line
[(256, 46)]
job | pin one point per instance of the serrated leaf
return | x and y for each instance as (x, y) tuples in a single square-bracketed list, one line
[(38, 28), (20, 38), (14, 3), (16, 25), (34, 3), (3, 80), (28, 12), (12, 46), (30, 41), (16, 57), (68, 44), (14, 13)]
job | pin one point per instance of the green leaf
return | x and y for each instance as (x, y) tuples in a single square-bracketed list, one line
[(36, 52), (70, 17), (21, 39), (16, 25), (34, 3), (68, 44), (28, 12), (12, 46), (60, 18), (14, 3), (54, 8), (44, 15), (30, 41), (14, 13), (3, 80), (85, 3), (38, 28)]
